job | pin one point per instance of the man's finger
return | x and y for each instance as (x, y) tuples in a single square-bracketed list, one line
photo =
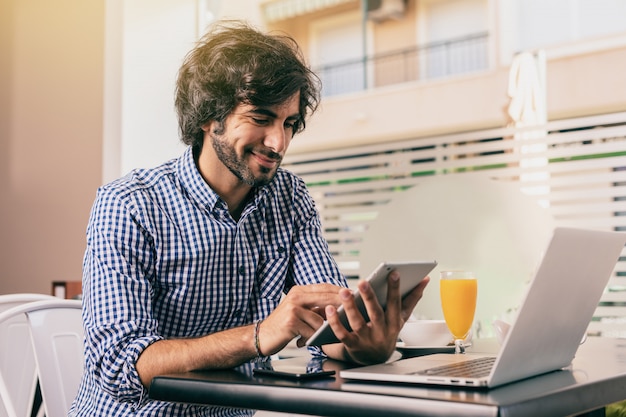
[(410, 300), (314, 295), (394, 299)]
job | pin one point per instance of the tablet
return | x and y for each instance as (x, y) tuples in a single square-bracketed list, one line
[(411, 273)]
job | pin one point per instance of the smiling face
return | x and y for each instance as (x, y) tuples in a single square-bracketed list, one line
[(251, 142)]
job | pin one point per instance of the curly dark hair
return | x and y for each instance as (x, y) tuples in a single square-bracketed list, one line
[(234, 64)]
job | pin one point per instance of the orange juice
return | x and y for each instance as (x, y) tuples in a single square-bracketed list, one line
[(458, 301)]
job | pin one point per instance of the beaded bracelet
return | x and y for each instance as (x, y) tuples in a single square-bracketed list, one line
[(257, 344)]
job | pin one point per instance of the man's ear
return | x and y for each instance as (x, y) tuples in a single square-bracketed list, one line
[(207, 126), (213, 126)]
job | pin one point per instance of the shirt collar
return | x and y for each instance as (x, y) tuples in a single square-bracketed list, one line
[(200, 192), (191, 180)]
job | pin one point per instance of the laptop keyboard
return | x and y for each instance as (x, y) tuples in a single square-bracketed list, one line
[(473, 368)]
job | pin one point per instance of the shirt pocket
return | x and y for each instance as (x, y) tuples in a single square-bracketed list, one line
[(272, 271)]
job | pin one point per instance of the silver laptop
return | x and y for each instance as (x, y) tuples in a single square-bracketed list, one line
[(551, 322)]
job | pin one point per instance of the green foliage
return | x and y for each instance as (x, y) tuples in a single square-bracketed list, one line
[(616, 409)]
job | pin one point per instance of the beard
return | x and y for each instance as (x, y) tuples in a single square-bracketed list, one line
[(238, 165)]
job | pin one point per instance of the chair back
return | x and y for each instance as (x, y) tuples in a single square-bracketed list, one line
[(18, 374), (56, 333)]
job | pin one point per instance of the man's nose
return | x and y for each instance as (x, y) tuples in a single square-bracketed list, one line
[(277, 138)]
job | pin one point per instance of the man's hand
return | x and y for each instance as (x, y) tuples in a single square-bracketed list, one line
[(299, 314), (373, 341)]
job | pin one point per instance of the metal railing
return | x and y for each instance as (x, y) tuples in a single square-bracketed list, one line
[(433, 60)]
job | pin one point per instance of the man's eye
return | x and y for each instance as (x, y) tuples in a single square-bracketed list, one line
[(261, 122), (293, 125)]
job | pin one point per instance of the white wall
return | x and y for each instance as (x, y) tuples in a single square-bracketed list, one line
[(146, 42)]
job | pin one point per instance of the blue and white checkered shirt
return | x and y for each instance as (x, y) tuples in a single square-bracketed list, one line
[(165, 259)]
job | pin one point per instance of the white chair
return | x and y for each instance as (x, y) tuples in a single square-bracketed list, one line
[(8, 301), (18, 378), (57, 341)]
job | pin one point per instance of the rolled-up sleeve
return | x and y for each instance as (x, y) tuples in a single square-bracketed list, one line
[(117, 296)]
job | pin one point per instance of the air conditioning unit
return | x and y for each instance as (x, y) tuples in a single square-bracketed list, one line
[(380, 10)]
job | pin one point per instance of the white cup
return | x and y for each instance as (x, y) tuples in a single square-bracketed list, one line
[(425, 333)]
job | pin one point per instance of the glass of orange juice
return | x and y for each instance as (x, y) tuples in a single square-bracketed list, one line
[(458, 290)]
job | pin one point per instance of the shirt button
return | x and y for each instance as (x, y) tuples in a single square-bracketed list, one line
[(242, 270), (237, 313), (281, 249)]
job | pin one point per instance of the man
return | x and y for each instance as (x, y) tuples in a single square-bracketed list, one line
[(186, 263)]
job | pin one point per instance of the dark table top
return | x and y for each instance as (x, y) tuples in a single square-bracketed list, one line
[(596, 378)]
